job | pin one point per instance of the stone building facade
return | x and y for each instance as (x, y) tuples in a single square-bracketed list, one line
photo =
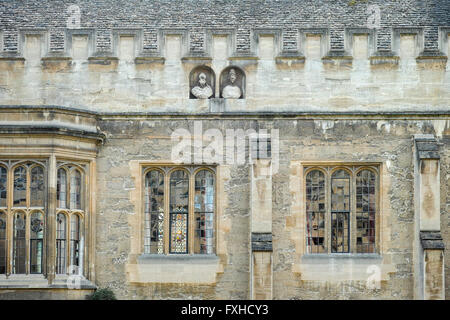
[(225, 149)]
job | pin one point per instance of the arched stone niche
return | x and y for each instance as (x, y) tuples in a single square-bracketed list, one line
[(232, 83), (202, 83)]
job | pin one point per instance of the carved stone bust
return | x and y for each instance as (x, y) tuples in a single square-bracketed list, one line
[(232, 82), (232, 91), (202, 90)]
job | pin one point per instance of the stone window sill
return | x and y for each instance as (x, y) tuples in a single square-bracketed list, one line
[(175, 268), (178, 258), (38, 281), (342, 267), (341, 256)]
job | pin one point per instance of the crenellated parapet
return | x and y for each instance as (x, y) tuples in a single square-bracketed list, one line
[(88, 40), (286, 56)]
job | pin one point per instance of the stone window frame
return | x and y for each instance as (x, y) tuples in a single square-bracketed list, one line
[(444, 34), (349, 35), (182, 32), (231, 40), (353, 168), (192, 170), (45, 40), (136, 33), (398, 32), (11, 210), (69, 212), (91, 34), (256, 33), (324, 40)]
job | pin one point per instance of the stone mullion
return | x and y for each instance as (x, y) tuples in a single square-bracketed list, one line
[(51, 220)]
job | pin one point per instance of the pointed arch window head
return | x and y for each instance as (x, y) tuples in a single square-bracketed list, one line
[(3, 186), (19, 243), (20, 187), (3, 244), (204, 204), (37, 186), (61, 236), (75, 189), (36, 242), (61, 188), (154, 212)]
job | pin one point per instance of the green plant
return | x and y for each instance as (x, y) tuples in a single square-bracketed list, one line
[(102, 294)]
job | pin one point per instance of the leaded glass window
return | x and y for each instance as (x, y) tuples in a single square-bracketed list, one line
[(61, 189), (75, 190), (23, 202), (315, 211), (154, 212), (179, 210), (19, 243), (70, 218), (3, 244), (3, 186), (204, 204), (366, 205), (341, 209), (36, 242), (179, 206), (37, 186), (20, 187), (61, 236), (75, 237)]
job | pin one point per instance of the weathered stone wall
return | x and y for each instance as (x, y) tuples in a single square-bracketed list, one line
[(329, 71), (445, 208), (387, 142)]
